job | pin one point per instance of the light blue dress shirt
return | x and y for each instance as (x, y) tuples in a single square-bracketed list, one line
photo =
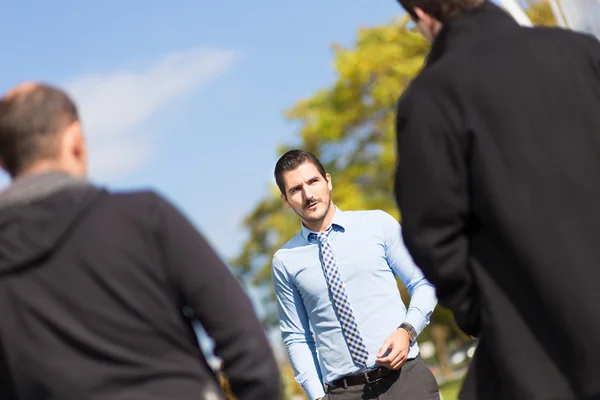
[(369, 251)]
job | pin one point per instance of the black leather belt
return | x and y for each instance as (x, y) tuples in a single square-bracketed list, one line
[(362, 379)]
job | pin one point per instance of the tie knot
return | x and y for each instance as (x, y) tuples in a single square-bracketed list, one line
[(323, 236)]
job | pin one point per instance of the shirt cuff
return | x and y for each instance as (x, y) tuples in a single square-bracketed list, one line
[(416, 318), (314, 389)]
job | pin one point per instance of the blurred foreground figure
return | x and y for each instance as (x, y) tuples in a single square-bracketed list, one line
[(499, 186), (93, 283)]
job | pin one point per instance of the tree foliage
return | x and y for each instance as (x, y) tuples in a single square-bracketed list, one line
[(350, 128)]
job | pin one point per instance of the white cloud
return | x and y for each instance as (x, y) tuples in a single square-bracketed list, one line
[(113, 105)]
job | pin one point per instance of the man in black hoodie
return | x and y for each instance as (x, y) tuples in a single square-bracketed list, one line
[(94, 284)]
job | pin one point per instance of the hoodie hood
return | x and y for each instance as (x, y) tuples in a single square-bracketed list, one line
[(35, 214)]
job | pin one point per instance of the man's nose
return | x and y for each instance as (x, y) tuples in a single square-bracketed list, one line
[(307, 193)]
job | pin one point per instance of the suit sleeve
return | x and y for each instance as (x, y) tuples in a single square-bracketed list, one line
[(206, 285), (432, 193)]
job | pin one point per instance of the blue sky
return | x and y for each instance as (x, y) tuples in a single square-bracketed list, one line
[(185, 98)]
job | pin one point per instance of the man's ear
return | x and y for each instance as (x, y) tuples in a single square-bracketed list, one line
[(428, 19), (427, 25), (420, 14), (285, 201), (73, 139)]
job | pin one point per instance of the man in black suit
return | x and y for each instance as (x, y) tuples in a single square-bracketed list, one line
[(498, 182)]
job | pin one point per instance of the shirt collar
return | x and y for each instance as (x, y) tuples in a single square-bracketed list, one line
[(338, 223)]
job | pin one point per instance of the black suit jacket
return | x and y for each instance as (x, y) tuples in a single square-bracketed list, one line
[(498, 182)]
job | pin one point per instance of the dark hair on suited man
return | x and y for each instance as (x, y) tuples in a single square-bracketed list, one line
[(442, 10), (31, 122), (292, 160)]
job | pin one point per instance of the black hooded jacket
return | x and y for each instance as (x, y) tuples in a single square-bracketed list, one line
[(92, 288)]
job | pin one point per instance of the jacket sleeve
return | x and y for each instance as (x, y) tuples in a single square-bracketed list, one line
[(432, 193), (206, 285)]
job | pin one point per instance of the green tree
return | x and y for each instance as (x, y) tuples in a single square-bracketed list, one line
[(350, 127)]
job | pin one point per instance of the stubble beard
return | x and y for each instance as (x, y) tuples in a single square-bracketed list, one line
[(320, 217)]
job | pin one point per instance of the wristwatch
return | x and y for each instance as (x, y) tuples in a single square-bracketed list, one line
[(412, 334)]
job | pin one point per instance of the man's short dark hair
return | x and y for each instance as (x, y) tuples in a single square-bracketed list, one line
[(31, 121), (292, 160), (442, 10)]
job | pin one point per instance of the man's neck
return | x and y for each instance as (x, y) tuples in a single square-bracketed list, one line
[(41, 168)]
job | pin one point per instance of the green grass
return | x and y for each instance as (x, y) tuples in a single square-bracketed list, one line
[(450, 389)]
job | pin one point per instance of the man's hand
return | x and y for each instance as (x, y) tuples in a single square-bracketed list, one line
[(397, 345)]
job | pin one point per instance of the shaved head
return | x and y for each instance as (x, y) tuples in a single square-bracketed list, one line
[(24, 87), (33, 116)]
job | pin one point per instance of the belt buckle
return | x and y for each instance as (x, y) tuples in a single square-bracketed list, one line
[(369, 381)]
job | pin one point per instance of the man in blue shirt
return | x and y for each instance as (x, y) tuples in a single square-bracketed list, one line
[(336, 278)]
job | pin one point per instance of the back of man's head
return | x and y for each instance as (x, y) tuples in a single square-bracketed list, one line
[(442, 10), (33, 120)]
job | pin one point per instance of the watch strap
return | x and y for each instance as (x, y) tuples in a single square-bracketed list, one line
[(412, 333)]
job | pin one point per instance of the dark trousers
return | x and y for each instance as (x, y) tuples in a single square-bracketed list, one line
[(414, 381)]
